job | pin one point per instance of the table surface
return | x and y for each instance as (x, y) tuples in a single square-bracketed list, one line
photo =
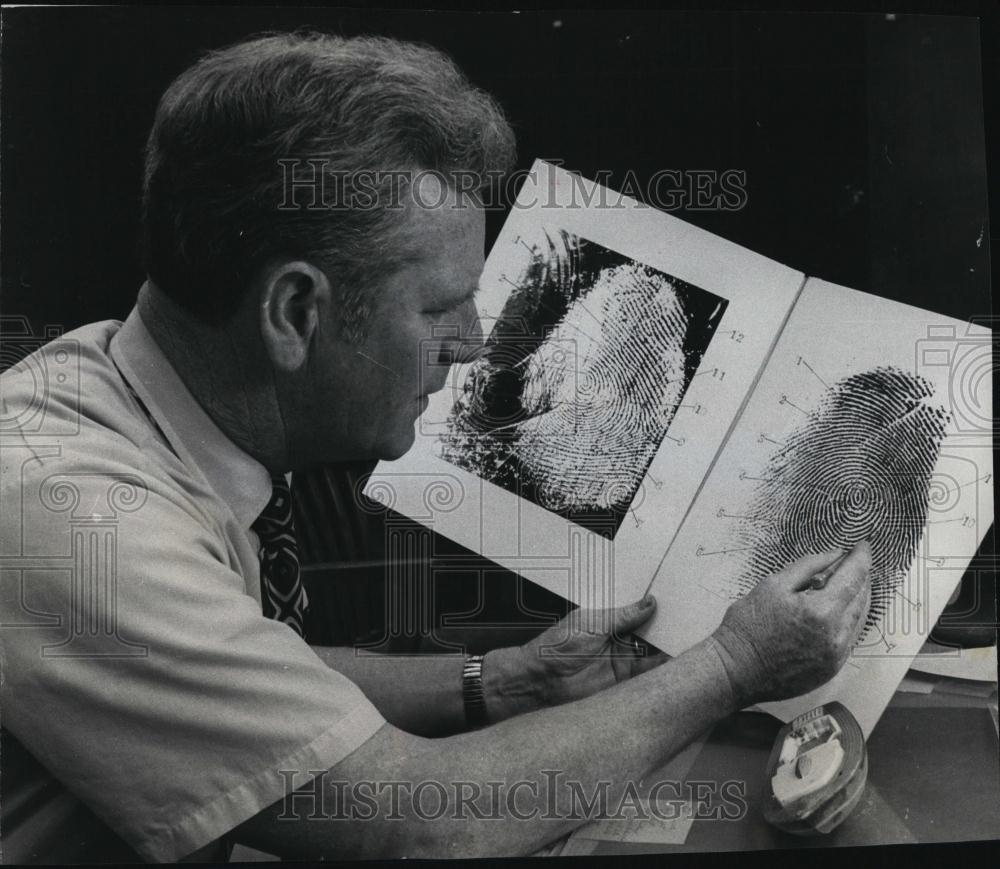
[(933, 776)]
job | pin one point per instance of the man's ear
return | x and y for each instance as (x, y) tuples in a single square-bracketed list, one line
[(293, 296)]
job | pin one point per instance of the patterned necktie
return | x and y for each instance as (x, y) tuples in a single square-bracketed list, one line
[(282, 594)]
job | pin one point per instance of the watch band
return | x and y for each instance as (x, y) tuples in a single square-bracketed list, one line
[(473, 695)]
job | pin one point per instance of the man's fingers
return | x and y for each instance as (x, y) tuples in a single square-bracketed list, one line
[(847, 596), (850, 580), (854, 618), (620, 621), (798, 574), (864, 605), (867, 608), (631, 616), (858, 602)]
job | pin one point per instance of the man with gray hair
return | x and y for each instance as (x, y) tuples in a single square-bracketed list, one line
[(279, 329)]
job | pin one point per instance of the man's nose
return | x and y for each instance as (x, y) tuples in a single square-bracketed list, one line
[(468, 343)]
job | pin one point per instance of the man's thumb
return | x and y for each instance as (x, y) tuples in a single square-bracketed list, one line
[(630, 616)]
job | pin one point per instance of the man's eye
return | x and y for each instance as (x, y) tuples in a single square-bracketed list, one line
[(451, 309)]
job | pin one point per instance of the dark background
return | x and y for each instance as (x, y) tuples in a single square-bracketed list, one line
[(861, 137)]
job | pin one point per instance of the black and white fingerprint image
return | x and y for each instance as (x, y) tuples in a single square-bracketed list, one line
[(580, 379), (859, 467)]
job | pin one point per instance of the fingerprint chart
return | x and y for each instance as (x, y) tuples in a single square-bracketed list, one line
[(858, 467), (580, 379)]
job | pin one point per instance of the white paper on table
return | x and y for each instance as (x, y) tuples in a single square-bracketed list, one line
[(671, 827), (979, 664)]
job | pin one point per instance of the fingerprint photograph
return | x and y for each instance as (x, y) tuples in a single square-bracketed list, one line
[(858, 467), (580, 379)]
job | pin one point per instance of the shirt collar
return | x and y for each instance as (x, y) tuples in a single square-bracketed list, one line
[(242, 482)]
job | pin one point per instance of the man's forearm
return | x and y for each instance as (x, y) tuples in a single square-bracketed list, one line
[(616, 736), (422, 694)]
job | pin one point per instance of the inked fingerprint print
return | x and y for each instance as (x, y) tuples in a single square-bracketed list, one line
[(858, 468), (581, 379)]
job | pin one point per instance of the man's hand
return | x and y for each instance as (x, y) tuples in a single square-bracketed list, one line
[(587, 651), (785, 638)]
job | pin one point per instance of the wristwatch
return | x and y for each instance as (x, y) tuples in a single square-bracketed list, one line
[(472, 692)]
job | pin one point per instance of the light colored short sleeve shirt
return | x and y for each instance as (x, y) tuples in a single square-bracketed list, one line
[(137, 666)]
